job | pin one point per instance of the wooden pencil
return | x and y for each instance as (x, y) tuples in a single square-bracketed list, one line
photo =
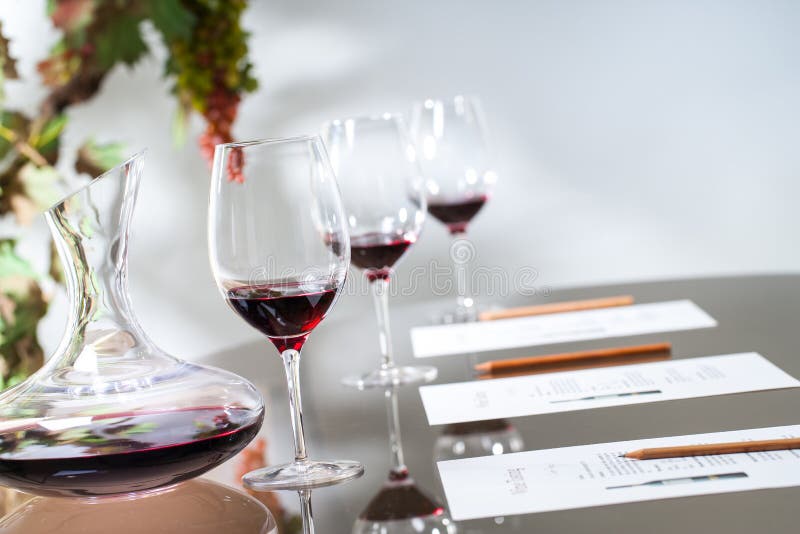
[(715, 448), (556, 307), (577, 366), (585, 356)]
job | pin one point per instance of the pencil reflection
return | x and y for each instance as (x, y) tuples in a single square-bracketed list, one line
[(399, 506)]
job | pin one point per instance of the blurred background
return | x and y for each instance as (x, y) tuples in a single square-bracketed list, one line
[(634, 140)]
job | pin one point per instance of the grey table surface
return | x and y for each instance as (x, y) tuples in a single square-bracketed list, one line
[(755, 313)]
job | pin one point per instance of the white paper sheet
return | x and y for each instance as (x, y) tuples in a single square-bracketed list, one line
[(596, 475), (553, 328), (596, 388)]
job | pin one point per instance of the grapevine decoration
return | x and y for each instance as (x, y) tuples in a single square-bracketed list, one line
[(212, 72), (208, 65)]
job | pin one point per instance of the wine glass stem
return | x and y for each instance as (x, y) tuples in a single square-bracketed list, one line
[(395, 444), (305, 511), (291, 362), (461, 251), (380, 294)]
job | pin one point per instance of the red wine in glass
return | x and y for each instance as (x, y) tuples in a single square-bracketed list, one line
[(377, 253), (123, 451), (456, 214), (284, 312)]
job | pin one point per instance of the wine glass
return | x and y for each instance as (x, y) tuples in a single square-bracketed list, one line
[(385, 205), (450, 138), (279, 250), (400, 506), (477, 438)]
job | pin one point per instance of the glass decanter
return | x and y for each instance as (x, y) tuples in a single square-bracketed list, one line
[(110, 413)]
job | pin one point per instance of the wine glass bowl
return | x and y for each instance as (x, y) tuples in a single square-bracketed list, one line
[(279, 251), (381, 187), (455, 159), (375, 164)]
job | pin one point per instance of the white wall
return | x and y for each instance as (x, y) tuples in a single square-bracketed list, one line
[(635, 139)]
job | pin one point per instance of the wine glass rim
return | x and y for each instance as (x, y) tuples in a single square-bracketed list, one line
[(269, 141), (366, 117), (470, 97)]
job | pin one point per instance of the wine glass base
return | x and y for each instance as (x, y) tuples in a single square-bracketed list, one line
[(456, 315), (393, 376), (302, 475)]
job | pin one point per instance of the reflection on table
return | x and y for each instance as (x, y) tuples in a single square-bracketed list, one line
[(352, 424), (400, 506), (198, 506)]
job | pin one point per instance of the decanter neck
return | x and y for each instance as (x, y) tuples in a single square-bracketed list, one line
[(96, 277), (90, 229)]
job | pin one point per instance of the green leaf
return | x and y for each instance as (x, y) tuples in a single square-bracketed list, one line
[(74, 434), (86, 225), (51, 130), (42, 185), (179, 126), (94, 439), (121, 41), (141, 428), (59, 47), (26, 443), (94, 159), (15, 379), (172, 19), (14, 122), (21, 308), (13, 265)]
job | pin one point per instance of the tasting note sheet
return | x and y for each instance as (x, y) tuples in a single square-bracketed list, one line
[(596, 475), (597, 388), (639, 319)]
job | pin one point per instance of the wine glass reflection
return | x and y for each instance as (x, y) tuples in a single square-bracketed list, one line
[(477, 438), (399, 506)]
